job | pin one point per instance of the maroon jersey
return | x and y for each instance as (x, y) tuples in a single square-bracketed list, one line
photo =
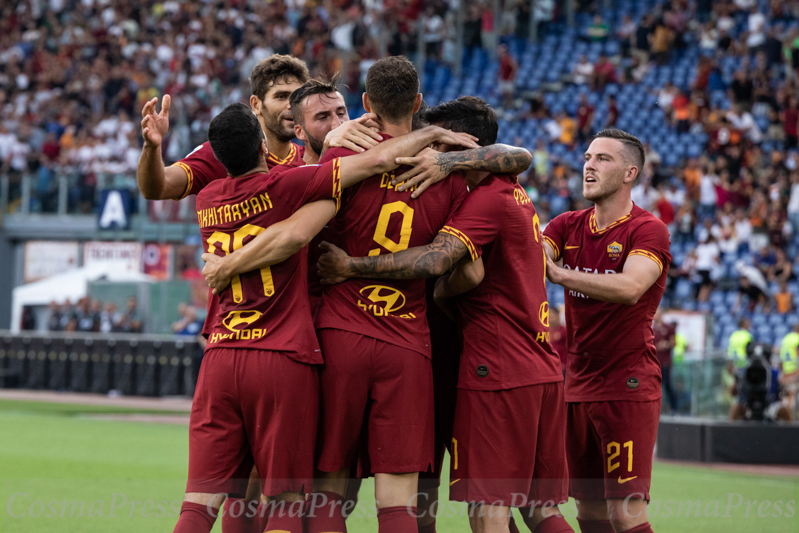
[(265, 309), (202, 167), (377, 219), (611, 348), (505, 319)]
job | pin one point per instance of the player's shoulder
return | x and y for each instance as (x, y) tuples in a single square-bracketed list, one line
[(573, 217), (202, 150), (643, 219)]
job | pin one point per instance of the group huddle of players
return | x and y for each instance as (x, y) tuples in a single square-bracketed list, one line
[(379, 296)]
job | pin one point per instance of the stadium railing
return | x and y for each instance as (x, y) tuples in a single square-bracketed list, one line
[(140, 365)]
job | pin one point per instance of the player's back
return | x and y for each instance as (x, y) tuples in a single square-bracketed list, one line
[(266, 308), (377, 219), (611, 349), (505, 319)]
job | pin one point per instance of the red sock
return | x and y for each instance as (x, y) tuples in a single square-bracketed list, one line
[(323, 513), (595, 526), (285, 517), (429, 528), (400, 519), (195, 518), (512, 525), (240, 517), (554, 524), (643, 528), (262, 516)]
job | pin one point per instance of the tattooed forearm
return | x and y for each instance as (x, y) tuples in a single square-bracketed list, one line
[(497, 158), (421, 262)]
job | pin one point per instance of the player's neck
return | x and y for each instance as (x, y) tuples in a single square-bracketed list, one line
[(397, 130), (278, 149), (474, 177), (612, 209), (310, 157), (262, 168)]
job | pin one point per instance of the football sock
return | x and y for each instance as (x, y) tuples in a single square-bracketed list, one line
[(643, 528), (238, 517), (285, 517), (512, 525), (262, 516), (595, 526), (324, 513), (195, 518), (399, 519), (554, 524), (429, 528)]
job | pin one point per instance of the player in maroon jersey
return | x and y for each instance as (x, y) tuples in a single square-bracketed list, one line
[(508, 370), (273, 81), (264, 310), (615, 261)]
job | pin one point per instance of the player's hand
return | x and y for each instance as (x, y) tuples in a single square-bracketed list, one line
[(155, 125), (445, 304), (426, 171), (554, 272), (333, 265), (215, 273), (357, 135), (453, 138)]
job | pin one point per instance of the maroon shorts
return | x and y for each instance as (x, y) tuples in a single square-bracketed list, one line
[(253, 407), (509, 447), (377, 406), (610, 448)]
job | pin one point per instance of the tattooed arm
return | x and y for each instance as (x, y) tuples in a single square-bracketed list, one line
[(430, 166), (428, 261)]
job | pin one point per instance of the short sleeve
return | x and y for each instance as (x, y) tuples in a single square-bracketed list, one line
[(332, 153), (310, 183), (478, 220), (458, 193), (554, 234), (201, 167), (651, 240)]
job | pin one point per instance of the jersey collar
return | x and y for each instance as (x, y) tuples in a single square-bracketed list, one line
[(290, 157), (595, 229)]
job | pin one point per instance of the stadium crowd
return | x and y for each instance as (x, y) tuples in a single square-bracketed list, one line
[(76, 74)]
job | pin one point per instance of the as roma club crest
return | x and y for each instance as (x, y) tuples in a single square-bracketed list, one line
[(614, 251)]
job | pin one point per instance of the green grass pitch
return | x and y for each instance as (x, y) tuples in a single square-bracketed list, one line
[(60, 468)]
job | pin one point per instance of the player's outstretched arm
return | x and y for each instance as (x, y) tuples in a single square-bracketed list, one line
[(335, 266), (430, 166), (157, 182), (383, 157), (638, 275), (274, 245)]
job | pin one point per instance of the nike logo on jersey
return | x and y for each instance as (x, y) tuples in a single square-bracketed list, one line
[(454, 481), (625, 480), (571, 247)]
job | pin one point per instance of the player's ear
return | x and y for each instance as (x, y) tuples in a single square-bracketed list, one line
[(631, 176), (263, 149), (417, 103), (255, 104), (366, 105), (300, 133)]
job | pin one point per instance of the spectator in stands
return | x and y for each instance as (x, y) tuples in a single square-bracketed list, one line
[(130, 322), (643, 39), (756, 26), (506, 77), (790, 120), (782, 270), (784, 299), (604, 73), (568, 129), (54, 318), (582, 72), (86, 317), (585, 119), (109, 318), (661, 42), (598, 30), (752, 284), (67, 316), (707, 263), (665, 341), (188, 324)]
